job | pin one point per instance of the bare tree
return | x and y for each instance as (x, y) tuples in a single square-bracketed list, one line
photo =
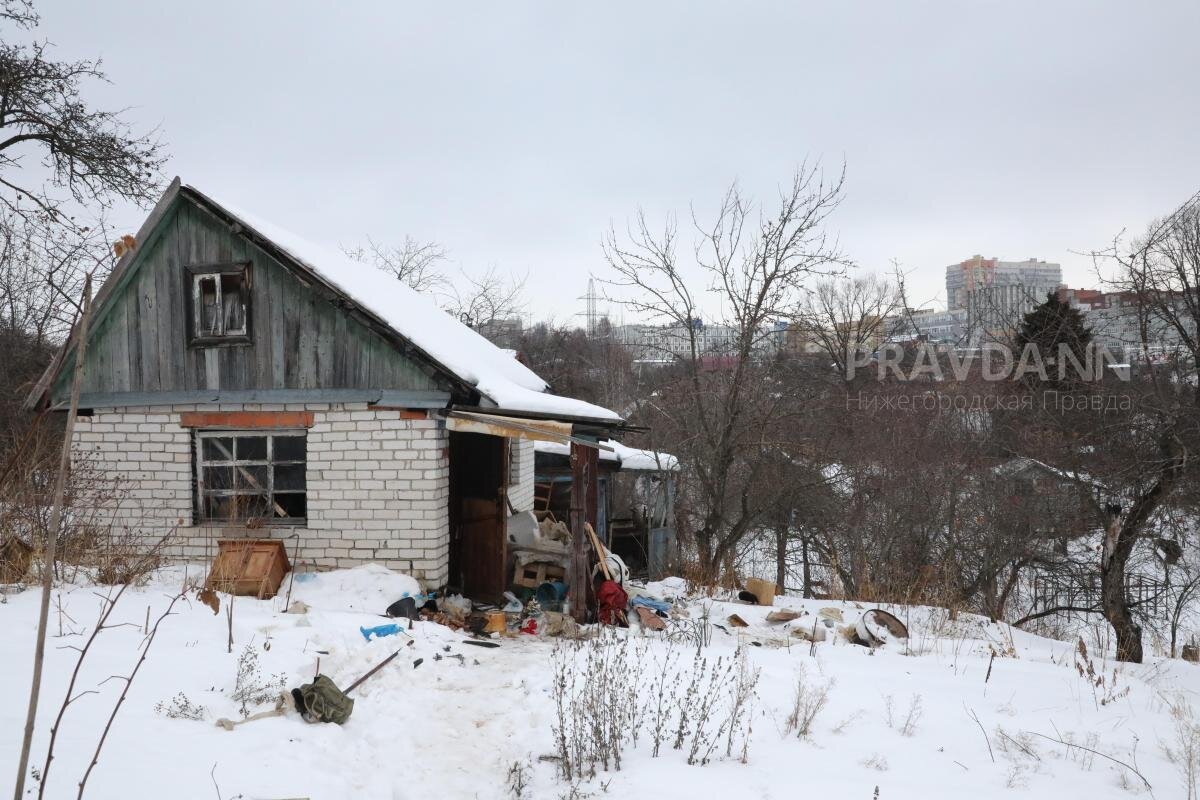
[(20, 12), (415, 264), (1162, 272), (90, 154), (720, 408), (845, 317), (1138, 461), (487, 300)]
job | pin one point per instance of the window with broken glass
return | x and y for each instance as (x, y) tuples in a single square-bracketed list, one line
[(220, 310), (243, 476)]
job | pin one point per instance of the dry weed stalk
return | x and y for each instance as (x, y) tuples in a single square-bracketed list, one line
[(807, 703), (1184, 749)]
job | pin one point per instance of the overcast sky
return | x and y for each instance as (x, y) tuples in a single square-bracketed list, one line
[(514, 133)]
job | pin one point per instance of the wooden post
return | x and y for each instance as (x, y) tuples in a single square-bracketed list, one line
[(577, 592), (52, 533)]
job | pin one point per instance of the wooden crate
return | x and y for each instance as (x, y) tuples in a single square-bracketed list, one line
[(534, 574), (248, 567)]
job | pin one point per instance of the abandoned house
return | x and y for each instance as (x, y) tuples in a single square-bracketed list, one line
[(241, 382)]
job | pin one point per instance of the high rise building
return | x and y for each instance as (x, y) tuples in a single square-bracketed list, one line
[(1037, 277), (997, 294)]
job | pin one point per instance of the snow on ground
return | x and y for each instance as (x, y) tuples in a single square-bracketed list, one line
[(450, 730)]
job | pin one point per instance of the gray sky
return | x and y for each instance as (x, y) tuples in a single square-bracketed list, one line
[(514, 133)]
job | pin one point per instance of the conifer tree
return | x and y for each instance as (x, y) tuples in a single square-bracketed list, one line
[(1053, 327)]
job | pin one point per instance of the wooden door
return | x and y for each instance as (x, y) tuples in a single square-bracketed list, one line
[(478, 480)]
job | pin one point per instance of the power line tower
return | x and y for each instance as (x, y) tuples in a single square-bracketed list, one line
[(592, 314)]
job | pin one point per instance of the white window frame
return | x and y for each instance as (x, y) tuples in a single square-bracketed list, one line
[(215, 273)]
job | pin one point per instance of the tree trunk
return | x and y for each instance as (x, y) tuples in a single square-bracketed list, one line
[(806, 566), (1118, 544), (781, 540), (706, 561)]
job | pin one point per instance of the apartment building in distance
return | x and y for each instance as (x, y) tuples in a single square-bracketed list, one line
[(996, 294), (1121, 324), (977, 274)]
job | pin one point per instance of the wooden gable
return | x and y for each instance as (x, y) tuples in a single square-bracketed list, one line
[(302, 337)]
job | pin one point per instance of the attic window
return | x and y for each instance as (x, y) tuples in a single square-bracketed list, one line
[(220, 308)]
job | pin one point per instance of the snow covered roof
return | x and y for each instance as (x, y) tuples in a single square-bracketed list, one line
[(495, 373), (630, 458)]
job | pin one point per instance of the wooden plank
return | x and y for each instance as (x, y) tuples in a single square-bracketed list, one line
[(117, 344), (246, 419), (133, 346)]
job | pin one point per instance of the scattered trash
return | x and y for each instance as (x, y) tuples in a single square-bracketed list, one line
[(550, 595), (831, 614), (816, 633), (557, 624), (554, 530), (279, 710), (323, 701), (661, 606), (877, 627), (379, 631), (514, 604), (456, 606), (612, 600), (783, 615), (737, 621), (649, 619), (297, 607), (480, 643), (763, 591), (404, 607), (418, 662), (497, 622), (523, 529), (617, 570)]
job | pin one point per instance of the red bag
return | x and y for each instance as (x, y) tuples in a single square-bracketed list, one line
[(612, 601)]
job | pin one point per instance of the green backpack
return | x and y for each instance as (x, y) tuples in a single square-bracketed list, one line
[(323, 701)]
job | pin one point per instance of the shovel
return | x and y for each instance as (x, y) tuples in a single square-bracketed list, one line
[(302, 706)]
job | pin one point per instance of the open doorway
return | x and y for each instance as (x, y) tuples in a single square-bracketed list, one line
[(478, 514)]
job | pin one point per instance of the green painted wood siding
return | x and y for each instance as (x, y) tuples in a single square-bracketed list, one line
[(299, 338)]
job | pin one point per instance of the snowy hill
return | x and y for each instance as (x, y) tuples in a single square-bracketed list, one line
[(966, 708)]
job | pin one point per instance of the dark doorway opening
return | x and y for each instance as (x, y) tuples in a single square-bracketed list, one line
[(478, 529)]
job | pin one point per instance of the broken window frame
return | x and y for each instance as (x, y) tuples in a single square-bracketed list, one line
[(216, 275), (240, 469)]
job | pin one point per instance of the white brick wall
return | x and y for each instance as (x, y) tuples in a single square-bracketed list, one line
[(520, 474), (378, 484)]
